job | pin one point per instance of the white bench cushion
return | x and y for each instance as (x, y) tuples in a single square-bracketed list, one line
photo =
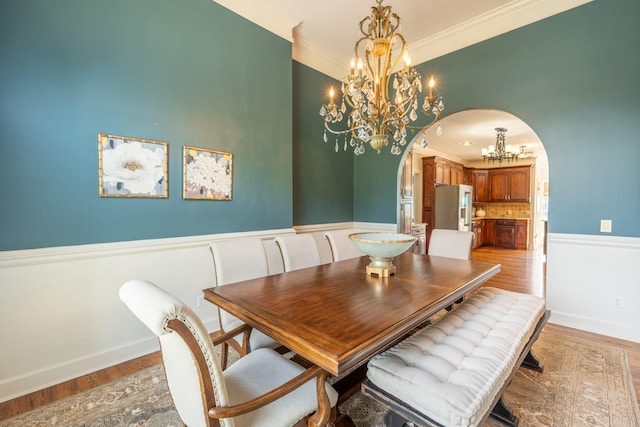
[(452, 370)]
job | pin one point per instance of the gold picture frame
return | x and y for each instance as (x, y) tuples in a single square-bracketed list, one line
[(207, 174), (132, 167)]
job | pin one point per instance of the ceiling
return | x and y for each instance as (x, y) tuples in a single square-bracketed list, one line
[(323, 34), (466, 133)]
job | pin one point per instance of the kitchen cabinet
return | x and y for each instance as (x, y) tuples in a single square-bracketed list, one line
[(443, 172), (457, 174), (522, 234), (505, 233), (478, 239), (480, 183), (510, 184), (489, 231), (468, 174)]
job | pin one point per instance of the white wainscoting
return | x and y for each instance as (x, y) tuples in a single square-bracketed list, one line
[(62, 315), (593, 283)]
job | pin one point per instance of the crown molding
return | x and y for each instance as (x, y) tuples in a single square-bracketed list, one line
[(263, 14), (501, 20), (511, 16), (307, 54)]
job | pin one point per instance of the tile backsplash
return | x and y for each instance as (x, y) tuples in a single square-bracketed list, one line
[(505, 210)]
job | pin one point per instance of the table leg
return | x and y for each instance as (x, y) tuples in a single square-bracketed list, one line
[(323, 415)]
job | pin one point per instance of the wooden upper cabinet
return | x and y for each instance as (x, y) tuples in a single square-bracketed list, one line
[(446, 171), (499, 185), (520, 184), (457, 174), (480, 183), (510, 184), (443, 172)]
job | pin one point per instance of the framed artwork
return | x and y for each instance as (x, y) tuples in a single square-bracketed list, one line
[(207, 174), (132, 167)]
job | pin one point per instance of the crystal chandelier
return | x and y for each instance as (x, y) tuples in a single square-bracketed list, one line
[(500, 151), (374, 115)]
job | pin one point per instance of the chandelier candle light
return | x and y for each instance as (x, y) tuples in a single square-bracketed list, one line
[(500, 151), (374, 116)]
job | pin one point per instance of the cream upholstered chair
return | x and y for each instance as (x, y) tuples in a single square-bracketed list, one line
[(298, 251), (234, 261), (341, 247), (261, 389), (450, 243)]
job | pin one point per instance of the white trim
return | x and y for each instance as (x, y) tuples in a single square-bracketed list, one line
[(595, 240), (307, 54), (365, 226), (501, 20), (264, 14), (592, 283), (99, 250), (509, 17)]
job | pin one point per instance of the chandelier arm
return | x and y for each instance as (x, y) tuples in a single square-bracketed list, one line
[(423, 128), (343, 132)]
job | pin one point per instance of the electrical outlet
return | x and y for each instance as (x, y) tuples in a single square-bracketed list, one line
[(605, 225), (200, 301), (618, 301)]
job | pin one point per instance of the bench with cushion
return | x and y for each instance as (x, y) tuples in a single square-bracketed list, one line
[(453, 372)]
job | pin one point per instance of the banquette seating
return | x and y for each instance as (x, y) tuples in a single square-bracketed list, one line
[(341, 247), (262, 388), (234, 261), (298, 251), (453, 372)]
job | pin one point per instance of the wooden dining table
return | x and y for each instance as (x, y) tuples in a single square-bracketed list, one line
[(337, 317)]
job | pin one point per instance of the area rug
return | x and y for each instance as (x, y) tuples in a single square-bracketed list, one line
[(583, 384)]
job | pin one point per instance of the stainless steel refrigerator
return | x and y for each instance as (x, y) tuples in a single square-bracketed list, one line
[(453, 207)]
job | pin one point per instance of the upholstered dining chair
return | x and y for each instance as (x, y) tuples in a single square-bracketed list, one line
[(236, 260), (450, 243), (341, 247), (261, 389), (298, 251)]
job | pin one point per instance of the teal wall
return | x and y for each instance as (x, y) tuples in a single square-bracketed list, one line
[(184, 72), (322, 178), (574, 78)]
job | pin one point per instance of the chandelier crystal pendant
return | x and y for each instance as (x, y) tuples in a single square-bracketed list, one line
[(500, 151), (372, 114)]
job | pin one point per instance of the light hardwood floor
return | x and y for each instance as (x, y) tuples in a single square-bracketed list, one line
[(522, 271)]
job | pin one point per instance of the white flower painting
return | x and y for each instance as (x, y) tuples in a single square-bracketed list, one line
[(207, 174), (132, 167)]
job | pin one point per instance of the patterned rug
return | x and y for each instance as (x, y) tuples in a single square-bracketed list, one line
[(583, 384)]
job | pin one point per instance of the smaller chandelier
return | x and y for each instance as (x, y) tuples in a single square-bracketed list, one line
[(500, 151), (374, 115)]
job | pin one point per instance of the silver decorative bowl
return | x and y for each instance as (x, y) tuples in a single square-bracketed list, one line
[(382, 248)]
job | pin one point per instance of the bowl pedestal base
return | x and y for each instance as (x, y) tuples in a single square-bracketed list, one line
[(381, 271)]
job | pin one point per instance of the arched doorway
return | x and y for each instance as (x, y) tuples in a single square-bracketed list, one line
[(465, 134)]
